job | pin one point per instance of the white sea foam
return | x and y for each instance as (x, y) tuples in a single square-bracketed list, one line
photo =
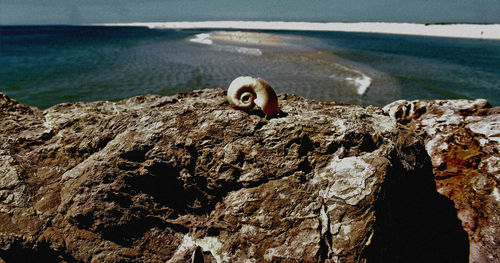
[(202, 39), (205, 39), (361, 80), (481, 31), (362, 83)]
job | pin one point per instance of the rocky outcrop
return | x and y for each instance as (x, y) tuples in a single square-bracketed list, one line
[(186, 178), (462, 138)]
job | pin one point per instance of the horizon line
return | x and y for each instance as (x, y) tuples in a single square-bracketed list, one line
[(486, 31), (452, 30)]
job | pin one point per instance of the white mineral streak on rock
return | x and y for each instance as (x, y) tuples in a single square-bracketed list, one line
[(213, 245), (347, 179), (383, 124), (443, 147), (76, 171), (248, 177), (8, 173), (335, 228), (496, 194), (238, 199), (463, 103), (187, 243), (145, 118), (430, 124), (449, 117), (470, 119), (323, 217), (489, 126), (492, 166), (54, 119), (483, 142), (248, 229), (346, 230), (210, 244), (50, 122), (393, 107), (341, 124), (435, 144)]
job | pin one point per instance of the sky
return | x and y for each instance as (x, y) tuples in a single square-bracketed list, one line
[(122, 11)]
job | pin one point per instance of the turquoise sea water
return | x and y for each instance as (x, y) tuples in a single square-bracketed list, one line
[(46, 65)]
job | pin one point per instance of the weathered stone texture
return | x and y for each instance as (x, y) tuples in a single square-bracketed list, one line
[(187, 178), (462, 138)]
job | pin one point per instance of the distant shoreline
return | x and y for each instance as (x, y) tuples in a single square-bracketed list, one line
[(474, 31)]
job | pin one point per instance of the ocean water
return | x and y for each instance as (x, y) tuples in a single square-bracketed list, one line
[(45, 65)]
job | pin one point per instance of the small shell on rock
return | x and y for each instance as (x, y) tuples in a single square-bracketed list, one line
[(245, 92)]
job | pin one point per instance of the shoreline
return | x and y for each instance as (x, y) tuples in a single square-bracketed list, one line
[(473, 31), (360, 80), (247, 38)]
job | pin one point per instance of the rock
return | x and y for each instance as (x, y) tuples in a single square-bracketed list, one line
[(186, 178), (462, 138)]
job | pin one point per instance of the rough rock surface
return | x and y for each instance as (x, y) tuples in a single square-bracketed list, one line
[(188, 179), (462, 138)]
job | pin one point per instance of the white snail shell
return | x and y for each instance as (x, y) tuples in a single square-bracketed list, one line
[(246, 92)]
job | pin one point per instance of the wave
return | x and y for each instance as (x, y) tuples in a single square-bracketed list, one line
[(362, 83), (204, 38), (479, 31), (360, 80)]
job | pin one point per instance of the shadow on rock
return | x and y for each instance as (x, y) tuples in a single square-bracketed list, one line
[(415, 223)]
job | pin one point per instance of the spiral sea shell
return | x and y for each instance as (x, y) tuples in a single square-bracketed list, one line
[(246, 92)]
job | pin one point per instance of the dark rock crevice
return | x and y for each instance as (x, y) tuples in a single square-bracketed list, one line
[(415, 223), (40, 253), (461, 138)]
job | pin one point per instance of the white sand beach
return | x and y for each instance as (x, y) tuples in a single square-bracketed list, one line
[(477, 31)]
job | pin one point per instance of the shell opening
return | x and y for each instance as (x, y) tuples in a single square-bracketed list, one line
[(247, 97)]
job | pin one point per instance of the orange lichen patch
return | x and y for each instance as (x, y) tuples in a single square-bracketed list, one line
[(455, 177), (457, 159)]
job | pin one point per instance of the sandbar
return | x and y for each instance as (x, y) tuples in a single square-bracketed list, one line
[(477, 31), (247, 38)]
